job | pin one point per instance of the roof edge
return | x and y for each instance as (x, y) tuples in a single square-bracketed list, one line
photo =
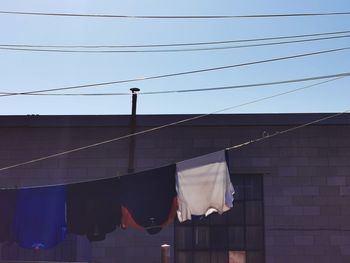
[(260, 119)]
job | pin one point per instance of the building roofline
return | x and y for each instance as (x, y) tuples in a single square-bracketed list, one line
[(157, 120)]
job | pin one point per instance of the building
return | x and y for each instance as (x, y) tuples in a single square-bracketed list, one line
[(293, 190)]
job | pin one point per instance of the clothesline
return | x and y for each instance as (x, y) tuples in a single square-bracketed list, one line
[(165, 126), (264, 137), (40, 217), (268, 136), (145, 200)]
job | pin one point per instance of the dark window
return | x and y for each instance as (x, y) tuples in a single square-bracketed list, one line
[(237, 234)]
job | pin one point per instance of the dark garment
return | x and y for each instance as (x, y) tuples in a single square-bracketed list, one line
[(93, 208), (7, 213), (149, 197), (40, 217)]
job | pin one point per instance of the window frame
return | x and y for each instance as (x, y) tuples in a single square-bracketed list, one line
[(227, 225)]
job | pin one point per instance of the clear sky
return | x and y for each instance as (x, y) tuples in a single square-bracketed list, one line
[(22, 71)]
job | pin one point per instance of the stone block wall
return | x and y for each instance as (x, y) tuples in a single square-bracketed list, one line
[(306, 177)]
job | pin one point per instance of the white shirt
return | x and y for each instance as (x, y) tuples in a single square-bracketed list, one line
[(203, 186)]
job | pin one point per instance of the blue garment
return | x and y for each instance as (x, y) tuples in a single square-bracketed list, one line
[(40, 217)]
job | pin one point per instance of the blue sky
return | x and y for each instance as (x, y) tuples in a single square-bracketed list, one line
[(22, 71)]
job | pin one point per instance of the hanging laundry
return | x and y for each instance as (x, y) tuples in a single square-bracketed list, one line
[(203, 186), (149, 199), (40, 217), (93, 208), (7, 213), (128, 220)]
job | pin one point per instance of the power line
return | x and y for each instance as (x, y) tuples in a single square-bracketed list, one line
[(169, 50), (177, 44), (169, 125), (190, 90), (174, 17), (181, 73)]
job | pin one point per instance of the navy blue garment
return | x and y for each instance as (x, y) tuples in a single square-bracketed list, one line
[(148, 196), (93, 208), (7, 213), (40, 217)]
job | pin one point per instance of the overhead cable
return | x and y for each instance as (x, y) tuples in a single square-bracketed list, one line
[(178, 44), (26, 49), (189, 90), (162, 127), (280, 15), (181, 73)]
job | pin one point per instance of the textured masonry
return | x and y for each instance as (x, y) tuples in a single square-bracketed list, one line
[(306, 174)]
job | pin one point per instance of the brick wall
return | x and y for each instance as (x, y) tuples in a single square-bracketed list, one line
[(306, 179)]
